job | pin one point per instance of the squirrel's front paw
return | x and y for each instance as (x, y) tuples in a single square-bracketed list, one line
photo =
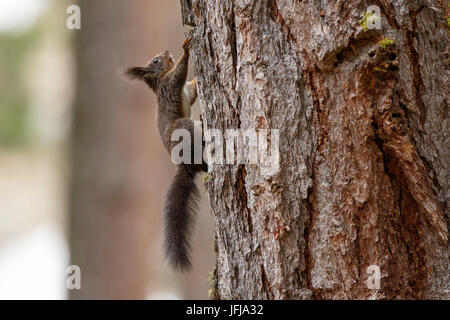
[(187, 44)]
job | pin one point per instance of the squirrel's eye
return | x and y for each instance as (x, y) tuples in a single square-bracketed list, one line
[(155, 61)]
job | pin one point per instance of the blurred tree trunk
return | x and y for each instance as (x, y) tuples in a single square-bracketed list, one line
[(363, 182), (112, 215), (120, 170)]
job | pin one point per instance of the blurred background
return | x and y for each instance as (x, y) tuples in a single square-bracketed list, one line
[(83, 173)]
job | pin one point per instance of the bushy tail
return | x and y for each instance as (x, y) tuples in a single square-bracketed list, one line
[(179, 214)]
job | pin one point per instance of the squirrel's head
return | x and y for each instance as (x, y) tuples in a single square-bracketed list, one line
[(156, 68)]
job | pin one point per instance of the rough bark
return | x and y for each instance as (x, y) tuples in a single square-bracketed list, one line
[(364, 140)]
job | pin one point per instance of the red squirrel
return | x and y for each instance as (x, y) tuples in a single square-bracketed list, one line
[(175, 97)]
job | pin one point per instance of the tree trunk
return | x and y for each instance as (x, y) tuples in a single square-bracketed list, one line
[(115, 201), (363, 184), (120, 169)]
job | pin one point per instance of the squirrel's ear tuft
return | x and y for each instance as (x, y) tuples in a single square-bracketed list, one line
[(136, 73)]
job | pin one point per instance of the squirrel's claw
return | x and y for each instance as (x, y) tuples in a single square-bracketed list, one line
[(187, 44)]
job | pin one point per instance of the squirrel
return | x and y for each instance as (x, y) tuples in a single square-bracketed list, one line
[(175, 97)]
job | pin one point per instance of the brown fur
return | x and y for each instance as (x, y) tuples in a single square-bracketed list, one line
[(175, 97)]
